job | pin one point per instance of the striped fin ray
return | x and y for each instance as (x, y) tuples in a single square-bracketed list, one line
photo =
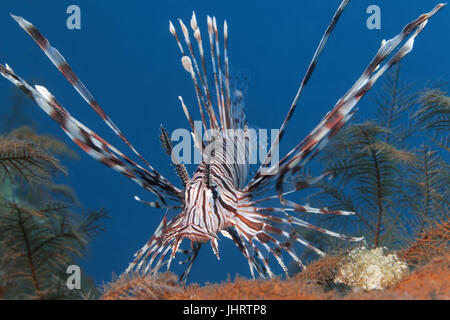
[(187, 64), (290, 220), (156, 204), (158, 245), (259, 236), (296, 182), (295, 207), (60, 62), (256, 260), (227, 70), (199, 74), (190, 64), (219, 67), (305, 80), (214, 67), (293, 220), (198, 142), (92, 143), (193, 253), (342, 112), (275, 234), (155, 253), (253, 263), (344, 109), (179, 167), (198, 37)]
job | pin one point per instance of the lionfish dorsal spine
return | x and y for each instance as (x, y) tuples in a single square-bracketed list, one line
[(199, 74), (167, 145)]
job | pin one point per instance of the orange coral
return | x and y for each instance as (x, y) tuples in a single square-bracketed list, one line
[(244, 289), (431, 280), (135, 287), (429, 244), (322, 271)]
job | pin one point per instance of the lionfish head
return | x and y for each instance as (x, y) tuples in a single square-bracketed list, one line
[(200, 221)]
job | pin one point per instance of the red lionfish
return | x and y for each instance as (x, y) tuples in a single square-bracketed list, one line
[(219, 198)]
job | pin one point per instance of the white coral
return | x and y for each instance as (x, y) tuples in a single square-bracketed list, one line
[(370, 269)]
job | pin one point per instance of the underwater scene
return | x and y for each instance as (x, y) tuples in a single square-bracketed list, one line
[(224, 150)]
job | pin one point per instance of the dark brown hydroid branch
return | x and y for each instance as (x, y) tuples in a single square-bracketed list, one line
[(27, 161)]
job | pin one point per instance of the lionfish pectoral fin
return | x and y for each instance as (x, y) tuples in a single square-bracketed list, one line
[(174, 249), (259, 234), (156, 204), (344, 108), (312, 65), (60, 62), (226, 234), (88, 140), (159, 245)]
